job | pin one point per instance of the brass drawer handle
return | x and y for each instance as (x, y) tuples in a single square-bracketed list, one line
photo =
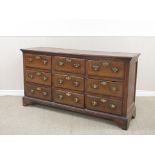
[(60, 81), (31, 76), (45, 93), (68, 78), (103, 100), (45, 62), (113, 88), (68, 60), (96, 67), (30, 59), (95, 86), (105, 63), (68, 94), (115, 69), (45, 78), (104, 83), (76, 65), (76, 99), (37, 57), (94, 103), (112, 106), (76, 83), (61, 63), (32, 91), (38, 88), (60, 97), (38, 73)]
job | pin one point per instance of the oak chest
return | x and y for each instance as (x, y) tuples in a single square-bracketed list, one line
[(101, 84)]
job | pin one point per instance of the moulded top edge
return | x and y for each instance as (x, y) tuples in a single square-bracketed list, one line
[(81, 52)]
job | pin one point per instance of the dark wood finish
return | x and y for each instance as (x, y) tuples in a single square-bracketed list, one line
[(68, 97), (38, 91), (105, 68), (112, 88), (66, 64), (37, 61), (101, 84), (68, 81), (38, 76), (104, 104)]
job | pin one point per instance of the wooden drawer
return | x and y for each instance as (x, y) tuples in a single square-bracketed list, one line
[(38, 76), (103, 104), (66, 64), (69, 98), (38, 92), (37, 61), (104, 87), (68, 81), (105, 68)]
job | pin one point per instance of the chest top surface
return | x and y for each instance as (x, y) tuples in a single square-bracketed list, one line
[(48, 50)]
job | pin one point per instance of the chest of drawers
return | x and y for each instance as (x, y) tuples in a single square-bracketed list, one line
[(100, 84)]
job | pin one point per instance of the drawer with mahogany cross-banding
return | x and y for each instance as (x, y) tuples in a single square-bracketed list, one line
[(37, 61), (105, 68), (67, 97), (37, 91), (38, 76), (103, 104), (68, 81), (67, 64)]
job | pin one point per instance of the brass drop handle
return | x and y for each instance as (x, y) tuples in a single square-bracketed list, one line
[(96, 67), (68, 78), (37, 57), (105, 63), (45, 78), (76, 99), (31, 76), (115, 69), (60, 97), (112, 106), (68, 60), (113, 88), (38, 73), (76, 65), (103, 100), (60, 63), (30, 59), (45, 93), (94, 103), (95, 86), (60, 81), (45, 62), (104, 83), (68, 94), (38, 88), (76, 83), (32, 91)]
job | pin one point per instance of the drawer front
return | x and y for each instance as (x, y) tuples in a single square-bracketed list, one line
[(38, 76), (103, 104), (37, 61), (68, 81), (72, 65), (38, 92), (104, 87), (68, 98), (105, 68)]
